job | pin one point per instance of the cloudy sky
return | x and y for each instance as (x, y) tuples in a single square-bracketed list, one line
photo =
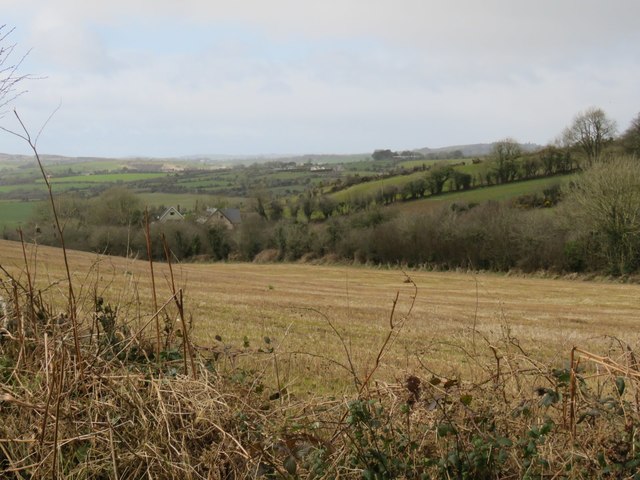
[(182, 77)]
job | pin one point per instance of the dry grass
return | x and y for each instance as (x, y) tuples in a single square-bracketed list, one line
[(344, 373), (290, 303)]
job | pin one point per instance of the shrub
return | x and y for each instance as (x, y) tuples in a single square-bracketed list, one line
[(604, 205)]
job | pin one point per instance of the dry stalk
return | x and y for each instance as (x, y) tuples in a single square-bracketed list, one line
[(178, 298), (147, 234), (32, 309), (393, 331), (26, 136), (54, 450)]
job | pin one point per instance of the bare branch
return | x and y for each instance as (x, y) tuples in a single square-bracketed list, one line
[(9, 76), (55, 110)]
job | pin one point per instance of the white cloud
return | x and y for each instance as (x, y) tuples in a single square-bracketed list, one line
[(166, 77)]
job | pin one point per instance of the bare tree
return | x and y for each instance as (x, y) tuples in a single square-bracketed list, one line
[(9, 76), (590, 131)]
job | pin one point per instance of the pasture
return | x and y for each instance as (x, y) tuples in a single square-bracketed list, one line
[(313, 315), (187, 200), (477, 195), (14, 213), (78, 180), (374, 186)]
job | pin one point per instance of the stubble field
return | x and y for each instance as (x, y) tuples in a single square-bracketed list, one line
[(313, 315)]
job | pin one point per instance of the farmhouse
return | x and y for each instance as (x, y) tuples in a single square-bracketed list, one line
[(171, 214), (229, 217)]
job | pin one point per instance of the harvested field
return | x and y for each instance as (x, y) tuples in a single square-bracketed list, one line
[(309, 371), (296, 305)]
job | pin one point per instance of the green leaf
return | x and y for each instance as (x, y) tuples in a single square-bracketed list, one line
[(563, 375), (550, 398), (620, 385), (368, 475), (546, 427), (504, 442), (290, 465), (531, 448), (632, 464), (445, 429), (466, 399), (82, 451)]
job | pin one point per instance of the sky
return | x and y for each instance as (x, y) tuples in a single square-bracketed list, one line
[(173, 78)]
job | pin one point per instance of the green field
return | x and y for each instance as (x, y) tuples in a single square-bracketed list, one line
[(408, 164), (15, 213), (78, 180), (400, 180), (29, 169), (23, 187), (87, 167), (36, 187), (369, 188), (484, 194), (187, 201)]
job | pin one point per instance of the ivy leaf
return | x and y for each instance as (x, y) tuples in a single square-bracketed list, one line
[(290, 465), (445, 429), (550, 397), (620, 385), (504, 442)]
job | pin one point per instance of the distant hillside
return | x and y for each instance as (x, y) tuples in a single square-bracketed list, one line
[(475, 149), (471, 150), (48, 159)]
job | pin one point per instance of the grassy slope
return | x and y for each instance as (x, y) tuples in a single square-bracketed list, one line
[(187, 200), (496, 193), (288, 302), (78, 180), (12, 214), (370, 188)]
